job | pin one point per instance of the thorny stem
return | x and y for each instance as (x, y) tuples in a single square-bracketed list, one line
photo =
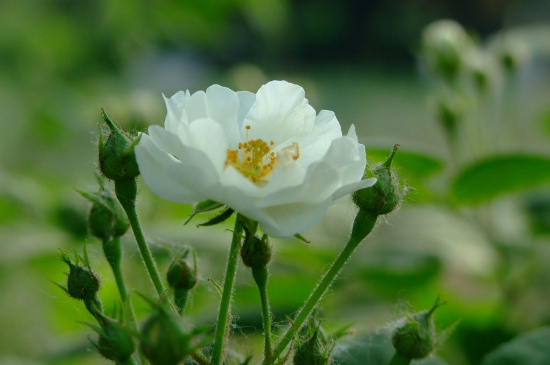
[(126, 191), (363, 225), (223, 315)]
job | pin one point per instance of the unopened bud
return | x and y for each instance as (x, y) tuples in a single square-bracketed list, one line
[(484, 69), (117, 160), (256, 252), (106, 217), (312, 351), (384, 196), (180, 275), (165, 340), (115, 342), (417, 338), (82, 282), (443, 45)]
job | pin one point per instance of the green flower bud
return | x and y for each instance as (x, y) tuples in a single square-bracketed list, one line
[(106, 217), (417, 338), (443, 45), (256, 252), (384, 196), (180, 275), (82, 282), (165, 340), (312, 351), (512, 53), (115, 342), (484, 70), (117, 160)]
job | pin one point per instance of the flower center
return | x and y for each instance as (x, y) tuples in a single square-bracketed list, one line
[(254, 159)]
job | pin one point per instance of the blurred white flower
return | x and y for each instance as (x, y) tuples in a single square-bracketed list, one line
[(265, 155)]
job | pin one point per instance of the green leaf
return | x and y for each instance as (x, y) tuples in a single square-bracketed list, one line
[(393, 272), (496, 176), (527, 349), (413, 163)]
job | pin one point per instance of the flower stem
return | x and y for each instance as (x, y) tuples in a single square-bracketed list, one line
[(399, 359), (126, 191), (221, 328), (362, 226), (260, 275), (113, 253)]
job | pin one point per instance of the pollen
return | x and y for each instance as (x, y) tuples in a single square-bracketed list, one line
[(254, 159)]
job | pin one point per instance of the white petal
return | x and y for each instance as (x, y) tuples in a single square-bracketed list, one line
[(196, 106), (348, 157), (293, 218), (320, 182), (223, 106), (175, 110), (280, 112), (351, 133), (153, 166), (197, 180), (209, 137), (191, 153), (246, 100), (315, 144)]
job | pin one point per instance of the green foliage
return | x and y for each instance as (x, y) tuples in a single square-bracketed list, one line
[(393, 272), (528, 349), (495, 176)]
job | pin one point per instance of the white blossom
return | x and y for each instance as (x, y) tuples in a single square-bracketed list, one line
[(267, 155)]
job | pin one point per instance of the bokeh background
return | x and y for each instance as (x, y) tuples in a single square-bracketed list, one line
[(61, 61)]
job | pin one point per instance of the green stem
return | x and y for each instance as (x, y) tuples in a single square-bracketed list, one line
[(180, 299), (223, 316), (260, 275), (126, 192), (362, 226), (113, 254), (399, 359)]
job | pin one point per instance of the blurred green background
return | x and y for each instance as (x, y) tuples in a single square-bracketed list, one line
[(61, 61)]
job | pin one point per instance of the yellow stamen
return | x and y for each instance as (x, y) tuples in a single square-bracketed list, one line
[(254, 159)]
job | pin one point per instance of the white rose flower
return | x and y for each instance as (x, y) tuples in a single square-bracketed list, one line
[(266, 156)]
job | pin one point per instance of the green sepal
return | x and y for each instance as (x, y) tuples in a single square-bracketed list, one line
[(301, 238), (218, 219), (216, 285), (204, 206)]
